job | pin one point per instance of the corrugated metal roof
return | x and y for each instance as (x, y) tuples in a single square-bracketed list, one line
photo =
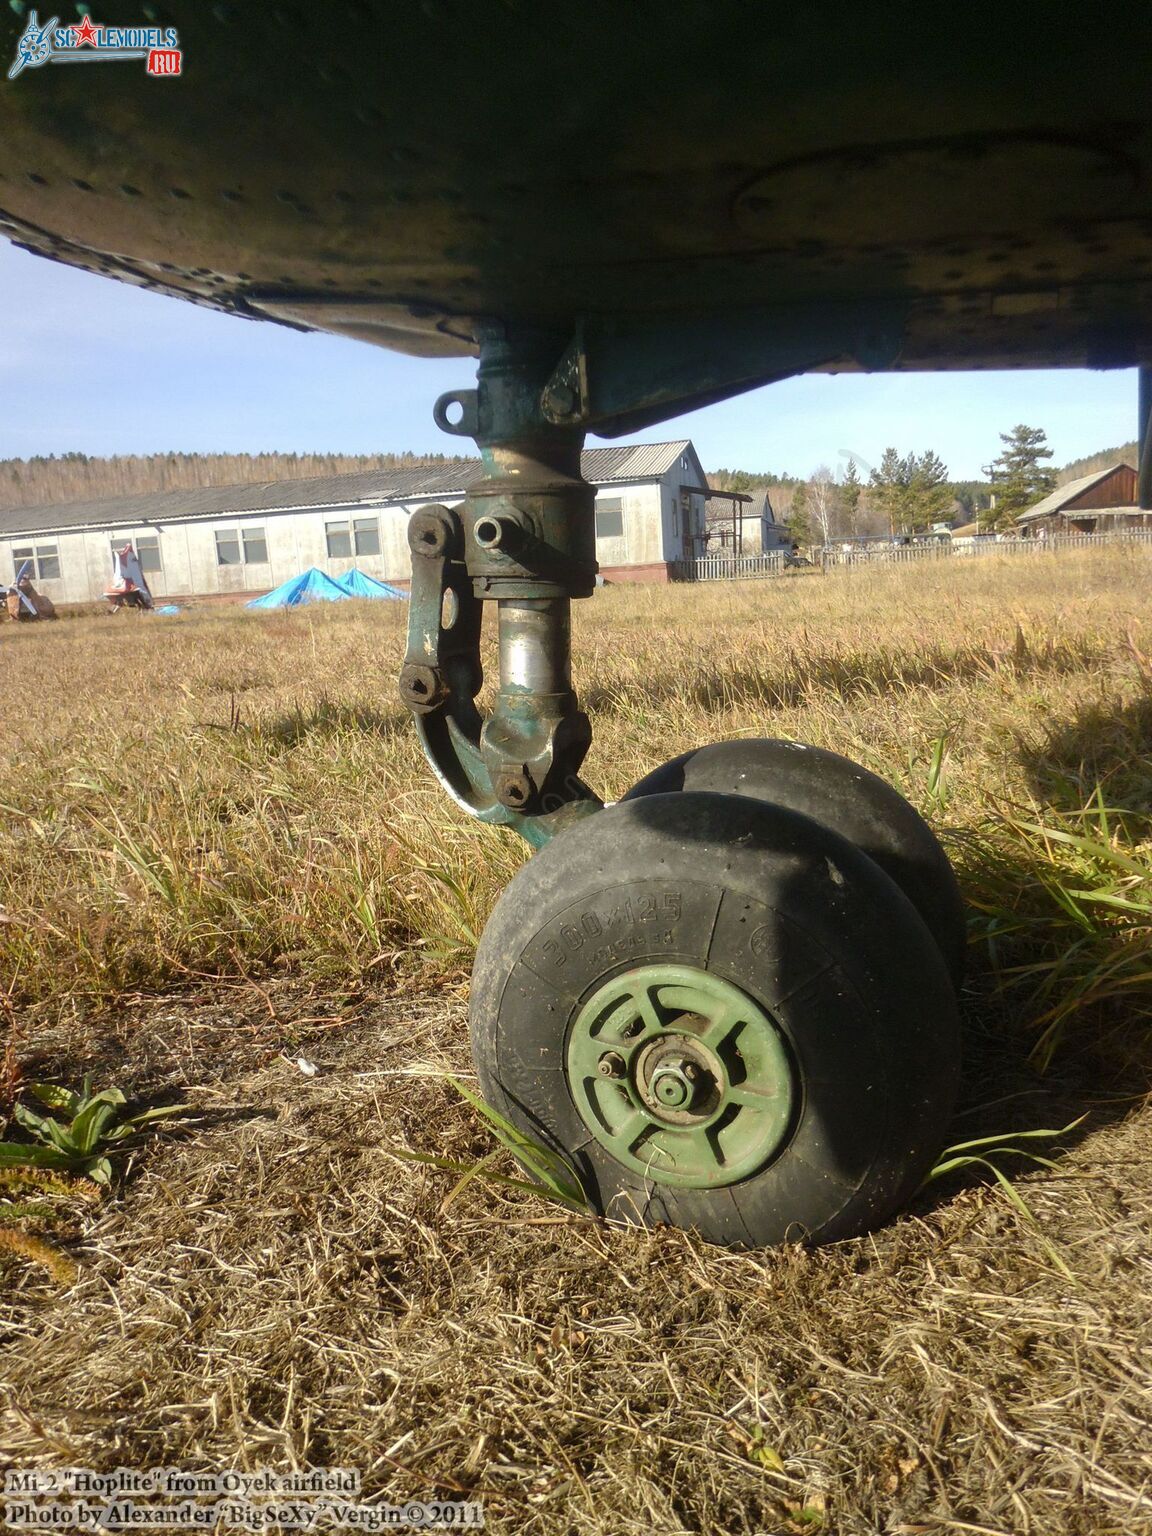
[(1066, 493), (374, 487), (635, 461)]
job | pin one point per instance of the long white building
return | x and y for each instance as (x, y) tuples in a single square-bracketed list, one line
[(239, 540)]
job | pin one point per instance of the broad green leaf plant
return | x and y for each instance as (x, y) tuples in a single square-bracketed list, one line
[(78, 1131)]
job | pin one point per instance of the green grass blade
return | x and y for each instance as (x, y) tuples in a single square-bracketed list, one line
[(550, 1168), (524, 1186)]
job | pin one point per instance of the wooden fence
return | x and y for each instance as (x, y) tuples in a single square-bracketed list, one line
[(725, 567), (730, 567)]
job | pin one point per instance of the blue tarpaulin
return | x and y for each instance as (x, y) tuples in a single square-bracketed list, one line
[(356, 584), (312, 587)]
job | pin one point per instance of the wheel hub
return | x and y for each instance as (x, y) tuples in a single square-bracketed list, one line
[(681, 1075), (672, 1087), (677, 1078)]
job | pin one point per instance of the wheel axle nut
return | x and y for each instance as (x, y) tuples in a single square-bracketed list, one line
[(675, 1085)]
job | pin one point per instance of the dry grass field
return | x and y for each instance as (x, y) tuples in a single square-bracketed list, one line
[(221, 856)]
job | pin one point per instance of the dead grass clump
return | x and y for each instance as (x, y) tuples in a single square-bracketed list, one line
[(281, 1289), (283, 1284), (263, 806)]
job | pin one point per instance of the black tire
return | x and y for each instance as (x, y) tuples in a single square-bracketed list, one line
[(808, 929), (842, 795)]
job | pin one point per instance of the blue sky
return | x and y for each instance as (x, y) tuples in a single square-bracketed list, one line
[(92, 365)]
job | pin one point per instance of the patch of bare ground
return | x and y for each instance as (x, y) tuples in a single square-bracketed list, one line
[(276, 1287)]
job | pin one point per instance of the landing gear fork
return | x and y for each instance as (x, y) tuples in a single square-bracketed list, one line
[(524, 539)]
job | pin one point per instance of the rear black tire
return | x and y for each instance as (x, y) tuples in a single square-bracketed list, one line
[(849, 799), (821, 946)]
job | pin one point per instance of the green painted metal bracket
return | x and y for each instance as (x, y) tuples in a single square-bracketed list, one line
[(619, 375), (441, 677)]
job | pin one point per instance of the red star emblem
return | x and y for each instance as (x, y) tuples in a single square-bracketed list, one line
[(85, 33)]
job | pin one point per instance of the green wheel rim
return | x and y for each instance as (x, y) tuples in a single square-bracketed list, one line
[(681, 1076)]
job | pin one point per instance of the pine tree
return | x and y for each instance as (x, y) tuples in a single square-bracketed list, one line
[(850, 490), (1019, 478), (928, 489), (889, 487), (913, 491), (797, 524)]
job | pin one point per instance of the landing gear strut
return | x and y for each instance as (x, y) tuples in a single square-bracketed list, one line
[(525, 541), (728, 1000)]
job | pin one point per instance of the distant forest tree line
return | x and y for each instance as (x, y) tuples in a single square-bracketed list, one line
[(66, 477), (905, 493)]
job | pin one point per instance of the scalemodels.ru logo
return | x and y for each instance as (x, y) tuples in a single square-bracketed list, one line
[(86, 42)]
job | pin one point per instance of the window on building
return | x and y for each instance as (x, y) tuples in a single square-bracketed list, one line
[(236, 546), (610, 517), (148, 552), (255, 547), (147, 548), (339, 540), (361, 536), (227, 546), (366, 533), (45, 559)]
